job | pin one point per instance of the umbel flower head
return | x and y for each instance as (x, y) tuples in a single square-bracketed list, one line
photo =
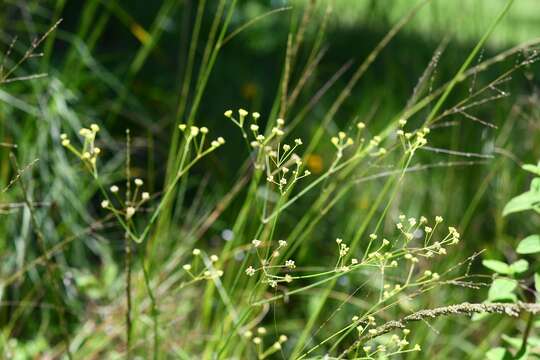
[(89, 152), (197, 136)]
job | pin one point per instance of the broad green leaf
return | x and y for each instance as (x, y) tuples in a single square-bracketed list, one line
[(502, 289), (529, 245), (497, 266), (533, 341), (498, 353), (535, 185), (537, 281), (519, 266), (525, 201), (535, 169), (514, 342)]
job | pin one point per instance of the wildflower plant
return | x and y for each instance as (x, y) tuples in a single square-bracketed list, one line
[(277, 159), (517, 281), (291, 260), (124, 208)]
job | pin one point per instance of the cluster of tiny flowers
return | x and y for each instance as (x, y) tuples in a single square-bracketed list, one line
[(267, 264), (129, 207), (256, 336), (197, 135), (403, 249), (394, 346), (279, 170), (411, 228), (283, 166), (89, 151), (207, 272), (343, 250), (412, 140), (374, 144), (341, 142)]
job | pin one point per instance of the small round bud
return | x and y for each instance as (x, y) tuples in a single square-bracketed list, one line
[(139, 182), (130, 211), (114, 189), (250, 271)]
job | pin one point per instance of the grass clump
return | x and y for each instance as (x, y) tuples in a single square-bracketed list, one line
[(289, 240)]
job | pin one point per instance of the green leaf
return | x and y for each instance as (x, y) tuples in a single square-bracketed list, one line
[(529, 245), (514, 342), (502, 289), (497, 266), (498, 353), (535, 185), (537, 281), (519, 266), (525, 201), (532, 168)]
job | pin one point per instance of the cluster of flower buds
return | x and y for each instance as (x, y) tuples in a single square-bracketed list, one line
[(283, 166), (130, 206), (341, 142), (412, 140), (272, 280), (197, 135), (208, 272), (89, 151), (260, 333), (396, 345)]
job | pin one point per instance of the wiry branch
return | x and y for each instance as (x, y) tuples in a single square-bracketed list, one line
[(458, 309)]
